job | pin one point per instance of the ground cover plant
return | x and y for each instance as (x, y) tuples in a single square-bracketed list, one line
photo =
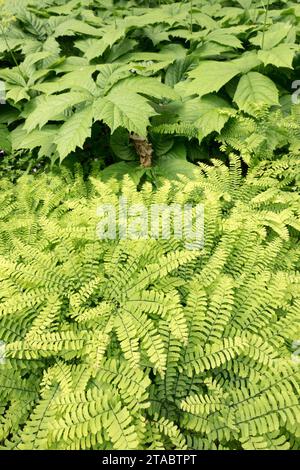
[(148, 343), (99, 76), (144, 344)]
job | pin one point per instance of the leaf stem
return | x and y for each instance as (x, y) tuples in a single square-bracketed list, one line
[(265, 24), (10, 50)]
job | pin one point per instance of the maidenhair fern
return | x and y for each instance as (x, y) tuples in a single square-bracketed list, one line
[(145, 344)]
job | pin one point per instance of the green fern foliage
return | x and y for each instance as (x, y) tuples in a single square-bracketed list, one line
[(145, 344)]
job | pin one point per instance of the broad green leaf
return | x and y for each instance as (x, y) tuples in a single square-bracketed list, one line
[(145, 56), (5, 139), (208, 77), (162, 144), (119, 170), (146, 85), (32, 59), (209, 50), (176, 71), (71, 26), (130, 111), (169, 14), (91, 47), (205, 21), (280, 56), (80, 78), (157, 34), (148, 68), (42, 138), (17, 93), (247, 61), (255, 89), (207, 114), (50, 107), (172, 168), (51, 46), (71, 64), (222, 37), (110, 34), (31, 23), (8, 114), (176, 152), (65, 9), (13, 76), (245, 3), (273, 36), (122, 146), (74, 132), (120, 49), (214, 113), (10, 44), (109, 75)]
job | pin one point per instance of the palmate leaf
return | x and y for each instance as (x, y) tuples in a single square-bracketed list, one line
[(254, 89), (109, 75), (169, 14), (122, 106), (198, 117), (13, 77), (91, 47), (208, 77), (221, 36), (17, 93), (74, 132), (42, 138), (120, 49), (211, 75), (31, 23), (75, 80), (272, 37), (247, 61), (15, 85), (214, 113), (71, 26), (213, 120), (177, 70), (147, 86), (131, 111), (46, 108), (280, 56)]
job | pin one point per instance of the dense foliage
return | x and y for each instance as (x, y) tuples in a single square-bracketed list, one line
[(86, 74), (148, 344), (143, 344)]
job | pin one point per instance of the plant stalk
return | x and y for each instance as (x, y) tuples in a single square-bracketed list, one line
[(265, 24)]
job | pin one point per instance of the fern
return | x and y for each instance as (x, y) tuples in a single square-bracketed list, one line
[(144, 344)]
